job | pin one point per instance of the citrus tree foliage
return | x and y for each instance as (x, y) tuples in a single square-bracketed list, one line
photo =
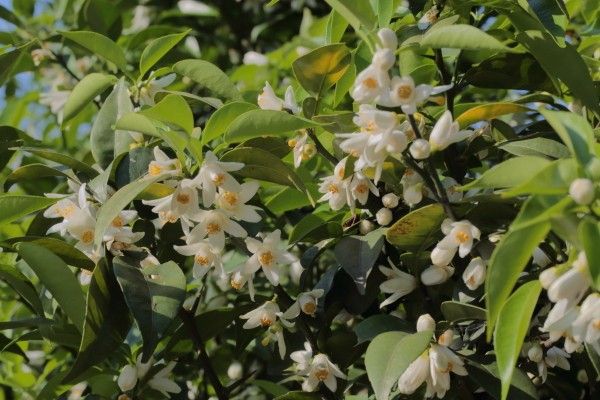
[(300, 200)]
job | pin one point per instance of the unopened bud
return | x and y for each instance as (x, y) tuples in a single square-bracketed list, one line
[(365, 226), (390, 200), (235, 370), (535, 353), (383, 216), (445, 338), (548, 276), (582, 191), (425, 323), (420, 149), (388, 38)]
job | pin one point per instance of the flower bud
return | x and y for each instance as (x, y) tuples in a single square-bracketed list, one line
[(390, 200), (384, 59), (127, 378), (582, 376), (572, 284), (383, 216), (365, 226), (474, 274), (436, 275), (446, 338), (582, 191), (535, 353), (308, 304), (442, 256), (420, 149), (235, 370), (548, 276), (425, 323), (413, 194), (388, 38)]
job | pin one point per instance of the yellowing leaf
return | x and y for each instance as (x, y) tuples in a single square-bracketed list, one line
[(489, 111), (322, 68)]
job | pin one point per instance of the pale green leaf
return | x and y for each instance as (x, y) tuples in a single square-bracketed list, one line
[(84, 93), (157, 49)]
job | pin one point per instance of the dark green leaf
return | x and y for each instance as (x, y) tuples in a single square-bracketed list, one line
[(31, 172), (320, 69), (454, 311), (375, 325), (16, 206), (358, 254), (257, 123), (209, 76), (21, 284), (219, 121), (63, 159), (84, 93), (157, 49)]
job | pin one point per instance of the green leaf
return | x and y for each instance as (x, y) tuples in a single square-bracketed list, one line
[(154, 295), (417, 229), (16, 206), (593, 356), (357, 13), (574, 131), (385, 11), (106, 142), (321, 68), (56, 276), (21, 284), (589, 234), (336, 26), (388, 356), (212, 322), (117, 202), (84, 93), (263, 165), (64, 250), (571, 70), (506, 264), (489, 111), (31, 172), (257, 123), (157, 49), (137, 122), (174, 110), (358, 254), (63, 159), (509, 173), (555, 178), (299, 395), (107, 321), (511, 328), (454, 311), (316, 227), (487, 376), (10, 61), (461, 36), (375, 325), (209, 76), (219, 121), (25, 323), (99, 45), (535, 147)]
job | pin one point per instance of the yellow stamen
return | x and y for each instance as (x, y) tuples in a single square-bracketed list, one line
[(265, 321), (322, 374), (183, 198), (154, 169), (461, 236), (266, 259), (202, 260), (309, 308), (371, 83), (218, 179), (213, 228), (404, 92), (87, 237), (230, 198)]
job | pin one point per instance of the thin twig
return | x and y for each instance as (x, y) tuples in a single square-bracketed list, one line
[(320, 148)]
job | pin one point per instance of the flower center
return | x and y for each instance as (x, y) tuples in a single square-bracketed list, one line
[(218, 179), (292, 143), (332, 188), (154, 169), (66, 211), (265, 321), (371, 127), (212, 228), (266, 259), (167, 216), (461, 236), (404, 92), (87, 237), (596, 324), (202, 260), (322, 373), (118, 222), (342, 172), (230, 198), (309, 308), (370, 83), (361, 188), (236, 283), (183, 198)]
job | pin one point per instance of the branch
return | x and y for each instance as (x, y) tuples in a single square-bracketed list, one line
[(320, 148), (188, 321)]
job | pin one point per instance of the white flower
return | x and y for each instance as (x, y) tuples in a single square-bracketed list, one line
[(306, 302), (573, 284), (205, 257), (289, 101), (39, 55), (153, 86), (548, 276), (56, 100), (322, 370), (214, 174), (65, 209), (559, 321), (582, 191), (388, 38), (474, 274), (425, 323), (383, 59), (267, 255), (459, 236), (541, 258), (443, 361), (162, 383), (397, 283), (162, 164), (127, 378), (360, 186), (436, 275), (383, 216), (365, 226), (412, 187), (403, 93), (255, 58), (213, 224), (82, 226), (141, 19), (370, 84), (181, 204), (268, 100), (233, 203), (390, 200), (414, 376), (302, 358), (420, 149), (336, 189), (586, 328), (556, 357), (445, 132), (302, 149), (266, 316), (446, 338)]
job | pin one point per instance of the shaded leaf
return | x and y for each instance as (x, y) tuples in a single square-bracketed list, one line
[(99, 45), (589, 234), (455, 311), (16, 206), (321, 68), (358, 254)]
